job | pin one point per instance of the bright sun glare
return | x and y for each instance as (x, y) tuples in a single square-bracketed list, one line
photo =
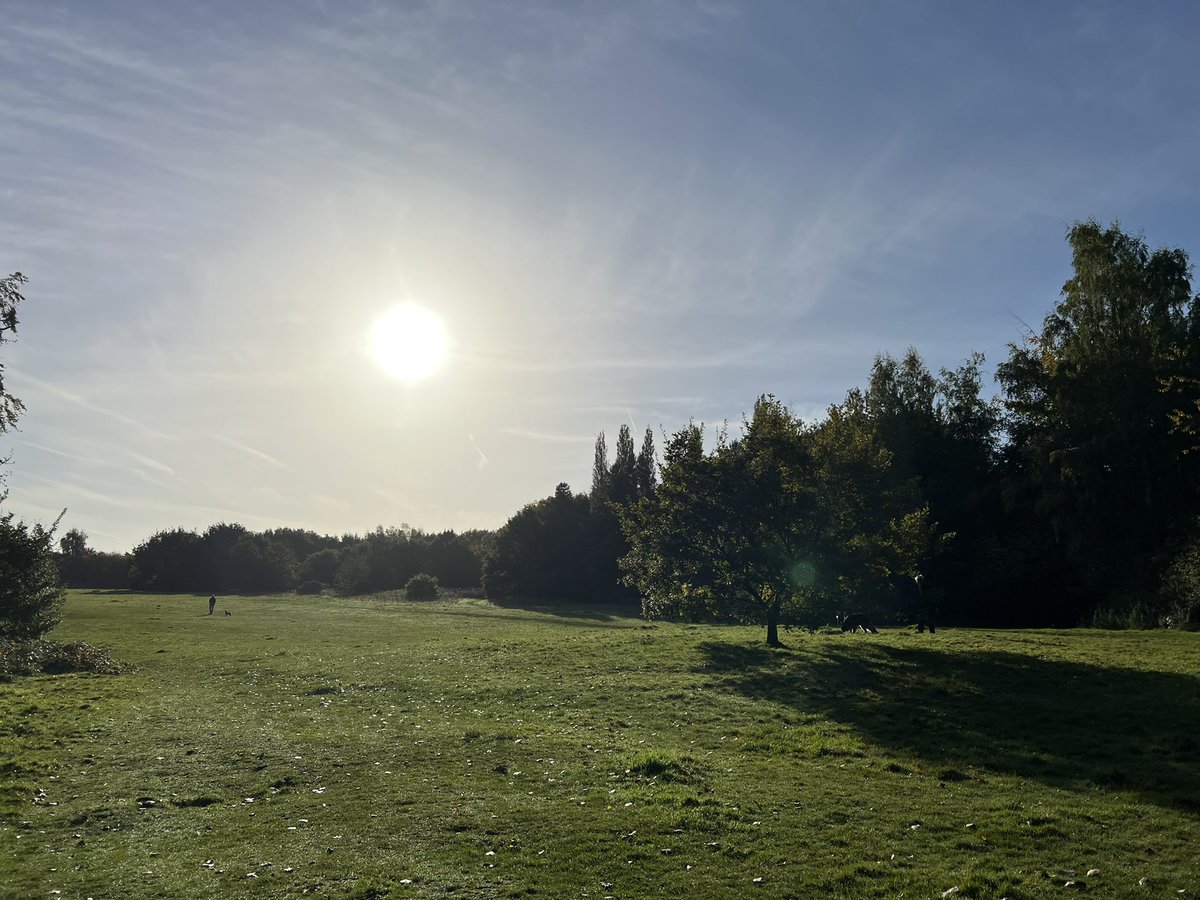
[(408, 342)]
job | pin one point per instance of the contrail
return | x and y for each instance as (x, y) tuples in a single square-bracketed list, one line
[(483, 460)]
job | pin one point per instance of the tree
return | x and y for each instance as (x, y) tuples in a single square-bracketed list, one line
[(600, 474), (170, 561), (1090, 424), (645, 465), (73, 544), (942, 436), (546, 552), (623, 475), (10, 296), (321, 566), (30, 593), (788, 523)]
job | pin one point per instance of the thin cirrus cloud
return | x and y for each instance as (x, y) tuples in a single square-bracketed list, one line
[(659, 210)]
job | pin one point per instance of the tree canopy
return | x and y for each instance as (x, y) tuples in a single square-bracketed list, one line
[(1095, 403), (788, 523)]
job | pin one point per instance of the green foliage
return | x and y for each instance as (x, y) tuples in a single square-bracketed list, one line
[(30, 595), (310, 587), (170, 561), (1181, 588), (36, 657), (10, 297), (1092, 427), (421, 587), (601, 479), (942, 435), (320, 566), (789, 523), (553, 550), (81, 566), (228, 558), (646, 467), (623, 477)]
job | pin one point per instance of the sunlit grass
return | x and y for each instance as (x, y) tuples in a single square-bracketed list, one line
[(377, 748)]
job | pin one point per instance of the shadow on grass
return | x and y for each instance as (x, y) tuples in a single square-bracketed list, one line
[(596, 612), (1062, 723)]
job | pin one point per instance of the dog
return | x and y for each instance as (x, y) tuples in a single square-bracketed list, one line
[(857, 621), (228, 613)]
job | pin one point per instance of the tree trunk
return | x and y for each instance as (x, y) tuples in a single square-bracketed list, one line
[(773, 627)]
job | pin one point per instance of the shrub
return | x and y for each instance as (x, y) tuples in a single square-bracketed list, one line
[(421, 587), (50, 658), (1181, 587), (311, 586), (30, 594)]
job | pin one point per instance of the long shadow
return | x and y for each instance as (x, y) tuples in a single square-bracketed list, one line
[(599, 612), (1061, 723)]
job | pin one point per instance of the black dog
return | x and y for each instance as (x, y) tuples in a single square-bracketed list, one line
[(853, 623), (228, 613)]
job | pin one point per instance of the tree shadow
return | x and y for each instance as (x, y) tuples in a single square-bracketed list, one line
[(598, 612), (1061, 723)]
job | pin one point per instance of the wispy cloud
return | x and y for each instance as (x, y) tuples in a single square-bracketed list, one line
[(83, 403), (548, 437), (251, 451)]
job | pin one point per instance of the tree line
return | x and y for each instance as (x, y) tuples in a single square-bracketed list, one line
[(228, 558), (1072, 497)]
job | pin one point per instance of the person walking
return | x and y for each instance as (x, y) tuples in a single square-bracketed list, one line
[(212, 603)]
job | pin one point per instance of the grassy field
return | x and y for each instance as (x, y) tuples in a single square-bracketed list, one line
[(377, 748)]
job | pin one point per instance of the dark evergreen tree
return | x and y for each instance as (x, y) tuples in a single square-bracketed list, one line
[(646, 465), (30, 592), (600, 475), (623, 475)]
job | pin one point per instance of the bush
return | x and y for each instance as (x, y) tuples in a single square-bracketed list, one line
[(310, 587), (421, 587), (47, 657), (1181, 588), (30, 593)]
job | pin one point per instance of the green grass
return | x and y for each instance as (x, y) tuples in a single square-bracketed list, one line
[(379, 748)]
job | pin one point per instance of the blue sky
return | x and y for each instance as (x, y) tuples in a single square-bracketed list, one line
[(644, 212)]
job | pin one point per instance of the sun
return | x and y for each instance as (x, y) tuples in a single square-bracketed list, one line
[(408, 342)]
